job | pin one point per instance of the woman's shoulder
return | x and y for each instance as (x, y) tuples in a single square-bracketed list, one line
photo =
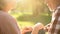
[(4, 15)]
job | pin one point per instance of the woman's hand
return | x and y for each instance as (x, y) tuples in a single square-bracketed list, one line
[(39, 26), (26, 29)]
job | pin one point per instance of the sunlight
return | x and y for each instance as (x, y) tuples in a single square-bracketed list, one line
[(17, 0)]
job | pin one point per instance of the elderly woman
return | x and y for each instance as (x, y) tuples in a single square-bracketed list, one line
[(54, 26), (8, 24)]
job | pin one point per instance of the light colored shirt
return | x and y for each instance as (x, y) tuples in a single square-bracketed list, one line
[(8, 24)]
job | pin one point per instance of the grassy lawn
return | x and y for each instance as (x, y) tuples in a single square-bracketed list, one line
[(26, 19), (22, 23)]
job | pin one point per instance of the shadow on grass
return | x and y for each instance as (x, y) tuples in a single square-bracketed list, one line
[(42, 18)]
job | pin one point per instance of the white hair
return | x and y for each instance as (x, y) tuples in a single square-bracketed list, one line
[(4, 2)]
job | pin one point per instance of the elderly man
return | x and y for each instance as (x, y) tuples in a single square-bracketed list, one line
[(8, 24), (54, 26)]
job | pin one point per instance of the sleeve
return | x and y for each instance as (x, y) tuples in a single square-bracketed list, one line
[(8, 25), (55, 22), (57, 27)]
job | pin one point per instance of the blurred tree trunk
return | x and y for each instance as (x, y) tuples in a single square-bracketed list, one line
[(38, 7)]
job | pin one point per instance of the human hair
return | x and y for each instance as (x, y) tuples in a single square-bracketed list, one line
[(2, 4), (7, 4), (53, 3)]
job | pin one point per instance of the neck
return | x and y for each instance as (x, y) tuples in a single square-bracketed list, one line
[(5, 10)]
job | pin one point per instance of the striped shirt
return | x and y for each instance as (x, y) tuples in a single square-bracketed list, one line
[(55, 23)]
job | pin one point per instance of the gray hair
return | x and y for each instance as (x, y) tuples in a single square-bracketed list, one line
[(2, 4)]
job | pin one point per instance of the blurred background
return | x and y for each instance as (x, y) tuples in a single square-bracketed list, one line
[(30, 12)]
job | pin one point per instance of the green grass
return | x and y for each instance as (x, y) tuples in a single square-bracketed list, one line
[(25, 19), (23, 24)]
